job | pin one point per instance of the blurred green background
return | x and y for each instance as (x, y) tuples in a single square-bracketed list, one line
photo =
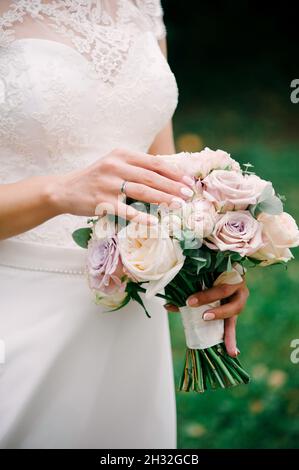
[(234, 62)]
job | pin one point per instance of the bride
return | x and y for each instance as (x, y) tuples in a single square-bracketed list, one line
[(86, 99)]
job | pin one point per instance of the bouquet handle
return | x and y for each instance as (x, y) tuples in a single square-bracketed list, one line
[(201, 334), (207, 363)]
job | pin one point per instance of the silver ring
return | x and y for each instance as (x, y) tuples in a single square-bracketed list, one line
[(123, 187)]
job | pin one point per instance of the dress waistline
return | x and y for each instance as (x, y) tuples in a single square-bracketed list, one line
[(36, 257)]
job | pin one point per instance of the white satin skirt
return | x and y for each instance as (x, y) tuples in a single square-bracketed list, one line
[(72, 375)]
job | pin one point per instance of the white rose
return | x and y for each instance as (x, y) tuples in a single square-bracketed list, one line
[(280, 232), (149, 254), (230, 277), (111, 301), (200, 217), (172, 223)]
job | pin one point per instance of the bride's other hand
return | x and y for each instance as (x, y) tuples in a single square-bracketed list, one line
[(147, 178), (233, 300)]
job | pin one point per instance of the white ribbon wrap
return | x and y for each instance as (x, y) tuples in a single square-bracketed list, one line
[(202, 334)]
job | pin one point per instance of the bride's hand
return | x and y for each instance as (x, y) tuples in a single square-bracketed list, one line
[(233, 299), (148, 179)]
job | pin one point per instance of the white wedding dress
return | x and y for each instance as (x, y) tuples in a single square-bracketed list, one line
[(77, 79)]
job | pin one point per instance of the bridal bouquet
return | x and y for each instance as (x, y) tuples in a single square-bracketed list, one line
[(233, 221)]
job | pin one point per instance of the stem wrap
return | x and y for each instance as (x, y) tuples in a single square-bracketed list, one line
[(201, 334)]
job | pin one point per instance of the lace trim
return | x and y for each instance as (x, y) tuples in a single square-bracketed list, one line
[(88, 26)]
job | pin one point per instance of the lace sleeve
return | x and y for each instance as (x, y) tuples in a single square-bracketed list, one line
[(154, 13)]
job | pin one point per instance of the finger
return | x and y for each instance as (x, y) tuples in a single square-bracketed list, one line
[(125, 211), (229, 309), (140, 192), (154, 180), (171, 308), (156, 164), (211, 295), (230, 336)]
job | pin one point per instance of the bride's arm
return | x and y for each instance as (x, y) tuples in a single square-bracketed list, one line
[(164, 142), (28, 203)]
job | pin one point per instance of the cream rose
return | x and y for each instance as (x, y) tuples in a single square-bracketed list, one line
[(172, 223), (230, 190), (231, 277), (200, 217), (280, 232), (149, 254), (111, 301), (236, 231)]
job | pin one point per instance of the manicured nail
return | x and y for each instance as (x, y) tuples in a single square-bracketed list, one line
[(192, 301), (187, 192), (209, 316), (238, 352), (188, 180)]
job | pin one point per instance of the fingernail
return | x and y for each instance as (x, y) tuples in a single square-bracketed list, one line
[(177, 202), (209, 316), (188, 180), (166, 306), (187, 192), (192, 301), (238, 351)]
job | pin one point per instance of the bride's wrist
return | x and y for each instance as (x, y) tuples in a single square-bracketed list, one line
[(54, 195)]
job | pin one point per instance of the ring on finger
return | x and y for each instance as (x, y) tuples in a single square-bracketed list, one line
[(123, 187)]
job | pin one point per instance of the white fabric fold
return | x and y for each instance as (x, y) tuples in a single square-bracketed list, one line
[(200, 333)]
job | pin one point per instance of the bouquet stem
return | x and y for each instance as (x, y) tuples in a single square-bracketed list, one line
[(211, 368)]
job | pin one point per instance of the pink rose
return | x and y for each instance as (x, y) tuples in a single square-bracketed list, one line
[(230, 190), (104, 266), (216, 160), (200, 164), (280, 232), (236, 231), (259, 184)]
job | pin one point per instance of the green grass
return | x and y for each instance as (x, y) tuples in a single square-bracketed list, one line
[(265, 413)]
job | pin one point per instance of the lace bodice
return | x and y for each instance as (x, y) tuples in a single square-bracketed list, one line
[(78, 78)]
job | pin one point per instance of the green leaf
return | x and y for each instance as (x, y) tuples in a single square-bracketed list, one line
[(229, 264), (219, 258), (188, 241), (267, 202), (82, 236), (271, 206), (132, 290), (123, 304)]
